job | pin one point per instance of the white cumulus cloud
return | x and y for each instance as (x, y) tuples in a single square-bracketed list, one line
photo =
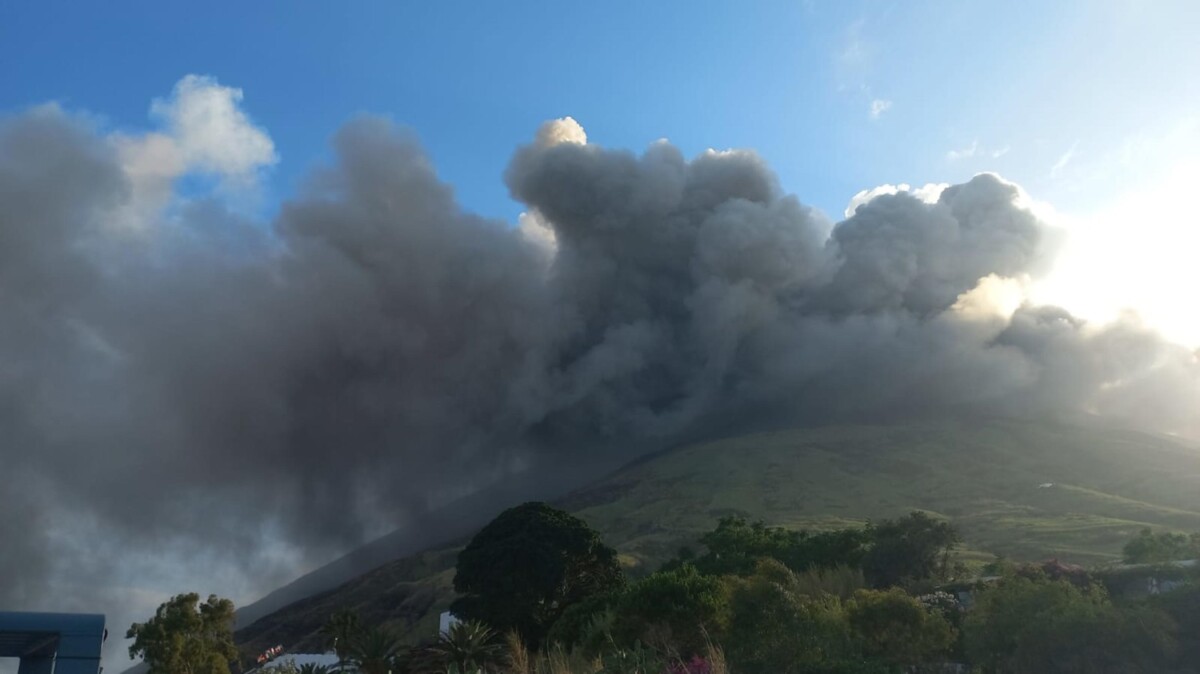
[(563, 130), (211, 131), (204, 131), (929, 194)]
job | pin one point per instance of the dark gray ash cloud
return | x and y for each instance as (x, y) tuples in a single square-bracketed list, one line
[(208, 388)]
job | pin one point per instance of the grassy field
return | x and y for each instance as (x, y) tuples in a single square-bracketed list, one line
[(987, 478)]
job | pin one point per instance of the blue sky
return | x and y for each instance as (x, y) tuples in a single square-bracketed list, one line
[(794, 80), (1082, 103)]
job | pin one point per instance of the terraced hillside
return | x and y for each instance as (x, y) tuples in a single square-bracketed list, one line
[(1023, 490)]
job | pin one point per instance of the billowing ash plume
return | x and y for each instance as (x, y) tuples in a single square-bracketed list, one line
[(180, 382)]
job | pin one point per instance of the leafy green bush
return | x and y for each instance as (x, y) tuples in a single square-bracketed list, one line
[(893, 627), (776, 629), (587, 625), (1035, 624), (839, 581), (1150, 547), (736, 545), (681, 608)]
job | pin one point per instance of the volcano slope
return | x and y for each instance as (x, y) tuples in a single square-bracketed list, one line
[(1019, 489)]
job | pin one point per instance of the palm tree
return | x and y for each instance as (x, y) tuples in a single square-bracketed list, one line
[(340, 631), (374, 651), (468, 646), (310, 668)]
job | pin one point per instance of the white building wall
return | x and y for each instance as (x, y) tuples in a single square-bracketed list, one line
[(446, 621)]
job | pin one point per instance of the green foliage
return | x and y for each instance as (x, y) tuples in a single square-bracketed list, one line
[(829, 549), (779, 623), (839, 581), (468, 646), (819, 619), (527, 566), (909, 550), (587, 625), (1000, 566), (374, 651), (340, 631), (1035, 624), (842, 476), (736, 545), (675, 609), (183, 638), (775, 629), (893, 627), (1183, 607), (1150, 547), (678, 609)]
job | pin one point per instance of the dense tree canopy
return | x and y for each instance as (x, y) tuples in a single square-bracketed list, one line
[(1036, 624), (522, 570), (893, 627), (739, 608), (1150, 547), (736, 545), (186, 637), (587, 625), (681, 607), (909, 549), (775, 628)]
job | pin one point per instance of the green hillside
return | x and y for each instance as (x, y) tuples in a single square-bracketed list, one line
[(987, 478)]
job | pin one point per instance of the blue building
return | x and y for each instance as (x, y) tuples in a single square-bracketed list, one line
[(53, 643)]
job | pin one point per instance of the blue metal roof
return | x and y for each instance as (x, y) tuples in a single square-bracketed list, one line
[(73, 640)]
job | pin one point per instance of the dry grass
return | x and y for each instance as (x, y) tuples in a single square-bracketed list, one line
[(518, 654), (840, 582), (560, 661), (716, 658), (555, 660)]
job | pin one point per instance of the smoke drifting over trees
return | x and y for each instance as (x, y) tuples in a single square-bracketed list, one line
[(180, 379)]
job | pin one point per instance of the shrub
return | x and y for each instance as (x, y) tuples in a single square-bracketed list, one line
[(1036, 624), (895, 628)]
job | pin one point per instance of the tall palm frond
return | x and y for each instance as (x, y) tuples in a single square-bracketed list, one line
[(469, 646), (374, 651)]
